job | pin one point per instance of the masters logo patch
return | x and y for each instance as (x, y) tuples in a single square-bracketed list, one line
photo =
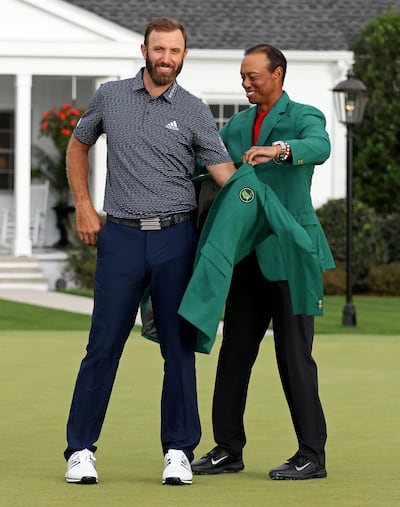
[(246, 195)]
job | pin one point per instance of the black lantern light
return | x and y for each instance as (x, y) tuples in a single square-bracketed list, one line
[(350, 98)]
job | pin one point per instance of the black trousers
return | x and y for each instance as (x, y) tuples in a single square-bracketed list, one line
[(252, 303)]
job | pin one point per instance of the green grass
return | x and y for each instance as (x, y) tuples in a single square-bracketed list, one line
[(375, 315), (22, 316), (359, 383), (359, 378)]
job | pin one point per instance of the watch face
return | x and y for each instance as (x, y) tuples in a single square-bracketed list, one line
[(282, 145)]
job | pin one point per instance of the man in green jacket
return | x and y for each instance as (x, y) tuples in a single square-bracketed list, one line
[(283, 140)]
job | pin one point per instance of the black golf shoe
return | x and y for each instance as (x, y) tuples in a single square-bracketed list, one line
[(298, 468), (217, 461)]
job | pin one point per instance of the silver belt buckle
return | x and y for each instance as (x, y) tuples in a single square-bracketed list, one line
[(150, 224)]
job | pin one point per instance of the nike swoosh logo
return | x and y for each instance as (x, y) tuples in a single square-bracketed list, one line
[(216, 461), (300, 469)]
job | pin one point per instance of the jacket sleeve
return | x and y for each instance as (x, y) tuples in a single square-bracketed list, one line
[(311, 144)]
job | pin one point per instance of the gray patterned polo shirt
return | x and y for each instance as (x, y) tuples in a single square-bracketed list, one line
[(152, 146)]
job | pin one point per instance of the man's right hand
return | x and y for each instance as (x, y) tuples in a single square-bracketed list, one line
[(88, 225)]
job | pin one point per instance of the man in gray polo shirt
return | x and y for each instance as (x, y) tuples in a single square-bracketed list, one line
[(155, 132)]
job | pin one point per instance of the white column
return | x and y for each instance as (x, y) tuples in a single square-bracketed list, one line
[(99, 162), (22, 176), (99, 170)]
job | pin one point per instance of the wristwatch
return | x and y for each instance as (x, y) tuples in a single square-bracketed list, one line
[(285, 151)]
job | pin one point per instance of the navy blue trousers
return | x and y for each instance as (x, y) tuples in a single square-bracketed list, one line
[(128, 261)]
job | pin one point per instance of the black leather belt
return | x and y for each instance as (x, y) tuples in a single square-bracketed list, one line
[(152, 224)]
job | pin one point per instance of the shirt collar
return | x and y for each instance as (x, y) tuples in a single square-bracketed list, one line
[(168, 95)]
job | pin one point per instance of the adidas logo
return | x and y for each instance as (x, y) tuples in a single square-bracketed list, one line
[(172, 125)]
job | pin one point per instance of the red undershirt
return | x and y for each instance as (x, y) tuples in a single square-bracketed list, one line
[(257, 125)]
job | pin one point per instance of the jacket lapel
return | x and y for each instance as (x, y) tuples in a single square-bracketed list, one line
[(272, 119), (246, 131)]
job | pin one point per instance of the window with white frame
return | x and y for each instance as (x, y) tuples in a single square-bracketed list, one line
[(223, 111), (6, 150)]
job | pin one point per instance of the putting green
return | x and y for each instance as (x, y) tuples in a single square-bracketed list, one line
[(359, 384)]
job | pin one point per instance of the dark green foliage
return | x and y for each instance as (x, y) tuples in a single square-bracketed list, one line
[(81, 261), (335, 281), (376, 249), (390, 225), (368, 241), (384, 280), (376, 145)]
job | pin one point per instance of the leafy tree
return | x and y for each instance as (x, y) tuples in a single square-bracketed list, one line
[(376, 143)]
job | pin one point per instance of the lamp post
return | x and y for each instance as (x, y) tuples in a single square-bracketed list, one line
[(350, 98)]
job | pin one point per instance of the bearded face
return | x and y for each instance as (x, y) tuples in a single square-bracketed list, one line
[(163, 73)]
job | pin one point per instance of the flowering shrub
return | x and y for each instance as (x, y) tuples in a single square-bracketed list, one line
[(59, 125)]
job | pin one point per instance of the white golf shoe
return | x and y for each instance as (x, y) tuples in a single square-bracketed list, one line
[(177, 470), (81, 469)]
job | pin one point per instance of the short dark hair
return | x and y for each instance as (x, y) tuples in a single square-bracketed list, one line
[(164, 25), (275, 56)]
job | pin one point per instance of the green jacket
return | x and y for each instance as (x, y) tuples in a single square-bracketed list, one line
[(244, 213), (303, 127)]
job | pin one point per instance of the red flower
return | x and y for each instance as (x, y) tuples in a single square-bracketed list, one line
[(59, 125)]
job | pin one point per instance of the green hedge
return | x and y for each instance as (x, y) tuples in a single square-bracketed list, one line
[(384, 280), (375, 252)]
